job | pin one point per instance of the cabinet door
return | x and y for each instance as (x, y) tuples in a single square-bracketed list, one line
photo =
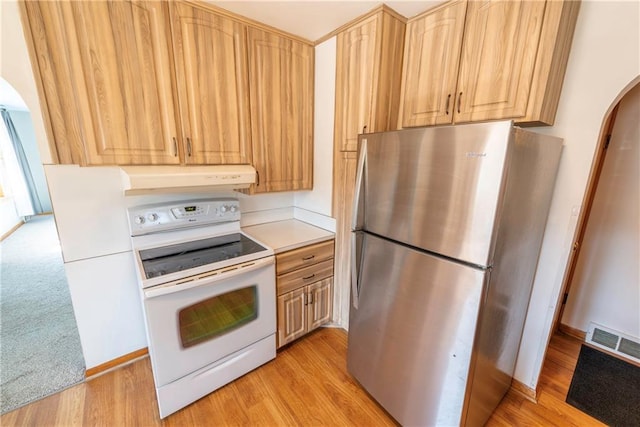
[(320, 303), (281, 93), (123, 61), (292, 311), (211, 71), (356, 64), (432, 54), (498, 59)]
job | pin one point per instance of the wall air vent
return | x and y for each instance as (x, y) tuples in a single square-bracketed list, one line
[(623, 345)]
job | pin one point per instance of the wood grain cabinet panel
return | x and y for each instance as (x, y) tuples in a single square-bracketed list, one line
[(368, 79), (498, 59), (302, 257), (512, 60), (304, 276), (292, 316), (126, 66), (305, 293), (369, 59), (432, 56), (211, 74), (150, 82), (320, 305), (281, 94), (112, 70), (356, 53)]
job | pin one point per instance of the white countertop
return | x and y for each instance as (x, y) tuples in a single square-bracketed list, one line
[(289, 234)]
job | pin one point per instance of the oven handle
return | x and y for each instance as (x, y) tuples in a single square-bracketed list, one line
[(208, 278)]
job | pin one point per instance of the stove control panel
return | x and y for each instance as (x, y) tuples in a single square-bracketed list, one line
[(175, 215)]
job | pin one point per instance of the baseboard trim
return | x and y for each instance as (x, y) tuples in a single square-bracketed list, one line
[(11, 231), (116, 363), (528, 393), (572, 332)]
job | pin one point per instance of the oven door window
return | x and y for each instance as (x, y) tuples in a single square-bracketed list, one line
[(218, 315)]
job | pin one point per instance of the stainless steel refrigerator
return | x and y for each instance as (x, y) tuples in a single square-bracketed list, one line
[(448, 224)]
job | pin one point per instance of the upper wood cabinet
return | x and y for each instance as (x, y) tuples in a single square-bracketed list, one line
[(368, 75), (432, 58), (369, 58), (107, 74), (281, 94), (512, 58), (105, 71), (211, 74)]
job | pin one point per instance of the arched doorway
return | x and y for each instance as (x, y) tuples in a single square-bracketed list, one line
[(601, 284)]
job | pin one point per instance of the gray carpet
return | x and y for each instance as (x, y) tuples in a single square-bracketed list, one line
[(40, 351)]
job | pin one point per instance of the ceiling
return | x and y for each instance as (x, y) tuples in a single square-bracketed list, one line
[(313, 19)]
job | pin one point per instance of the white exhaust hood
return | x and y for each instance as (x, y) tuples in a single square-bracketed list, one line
[(174, 179)]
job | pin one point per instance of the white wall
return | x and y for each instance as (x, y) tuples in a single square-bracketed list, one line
[(606, 284), (15, 68), (605, 58), (315, 206)]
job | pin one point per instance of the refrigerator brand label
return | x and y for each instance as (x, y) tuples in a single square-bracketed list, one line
[(474, 154)]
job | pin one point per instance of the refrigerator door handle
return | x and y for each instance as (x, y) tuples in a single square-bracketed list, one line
[(356, 219), (356, 249)]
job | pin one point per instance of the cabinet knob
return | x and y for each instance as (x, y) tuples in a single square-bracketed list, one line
[(175, 147), (459, 102), (447, 107), (364, 129), (188, 146)]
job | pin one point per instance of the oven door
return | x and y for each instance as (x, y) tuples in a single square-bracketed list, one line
[(195, 323)]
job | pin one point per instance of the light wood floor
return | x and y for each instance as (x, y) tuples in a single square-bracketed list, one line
[(307, 384)]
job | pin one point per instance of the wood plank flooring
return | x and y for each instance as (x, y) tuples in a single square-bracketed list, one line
[(307, 384)]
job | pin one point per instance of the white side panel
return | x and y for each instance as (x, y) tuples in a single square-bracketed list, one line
[(106, 302), (90, 211), (319, 199)]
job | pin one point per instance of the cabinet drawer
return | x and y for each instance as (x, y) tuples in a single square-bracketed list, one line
[(302, 257), (304, 276)]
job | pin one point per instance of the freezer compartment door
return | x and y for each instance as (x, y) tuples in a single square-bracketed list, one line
[(411, 337), (436, 188)]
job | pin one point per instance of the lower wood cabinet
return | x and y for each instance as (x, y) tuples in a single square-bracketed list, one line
[(303, 310), (305, 290)]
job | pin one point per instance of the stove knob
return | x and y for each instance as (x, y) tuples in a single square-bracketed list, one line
[(223, 209), (152, 217), (233, 208), (139, 220)]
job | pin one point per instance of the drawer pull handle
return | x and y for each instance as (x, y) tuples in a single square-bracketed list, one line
[(307, 258), (309, 277)]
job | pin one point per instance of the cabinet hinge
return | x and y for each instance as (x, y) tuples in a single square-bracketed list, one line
[(606, 143)]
